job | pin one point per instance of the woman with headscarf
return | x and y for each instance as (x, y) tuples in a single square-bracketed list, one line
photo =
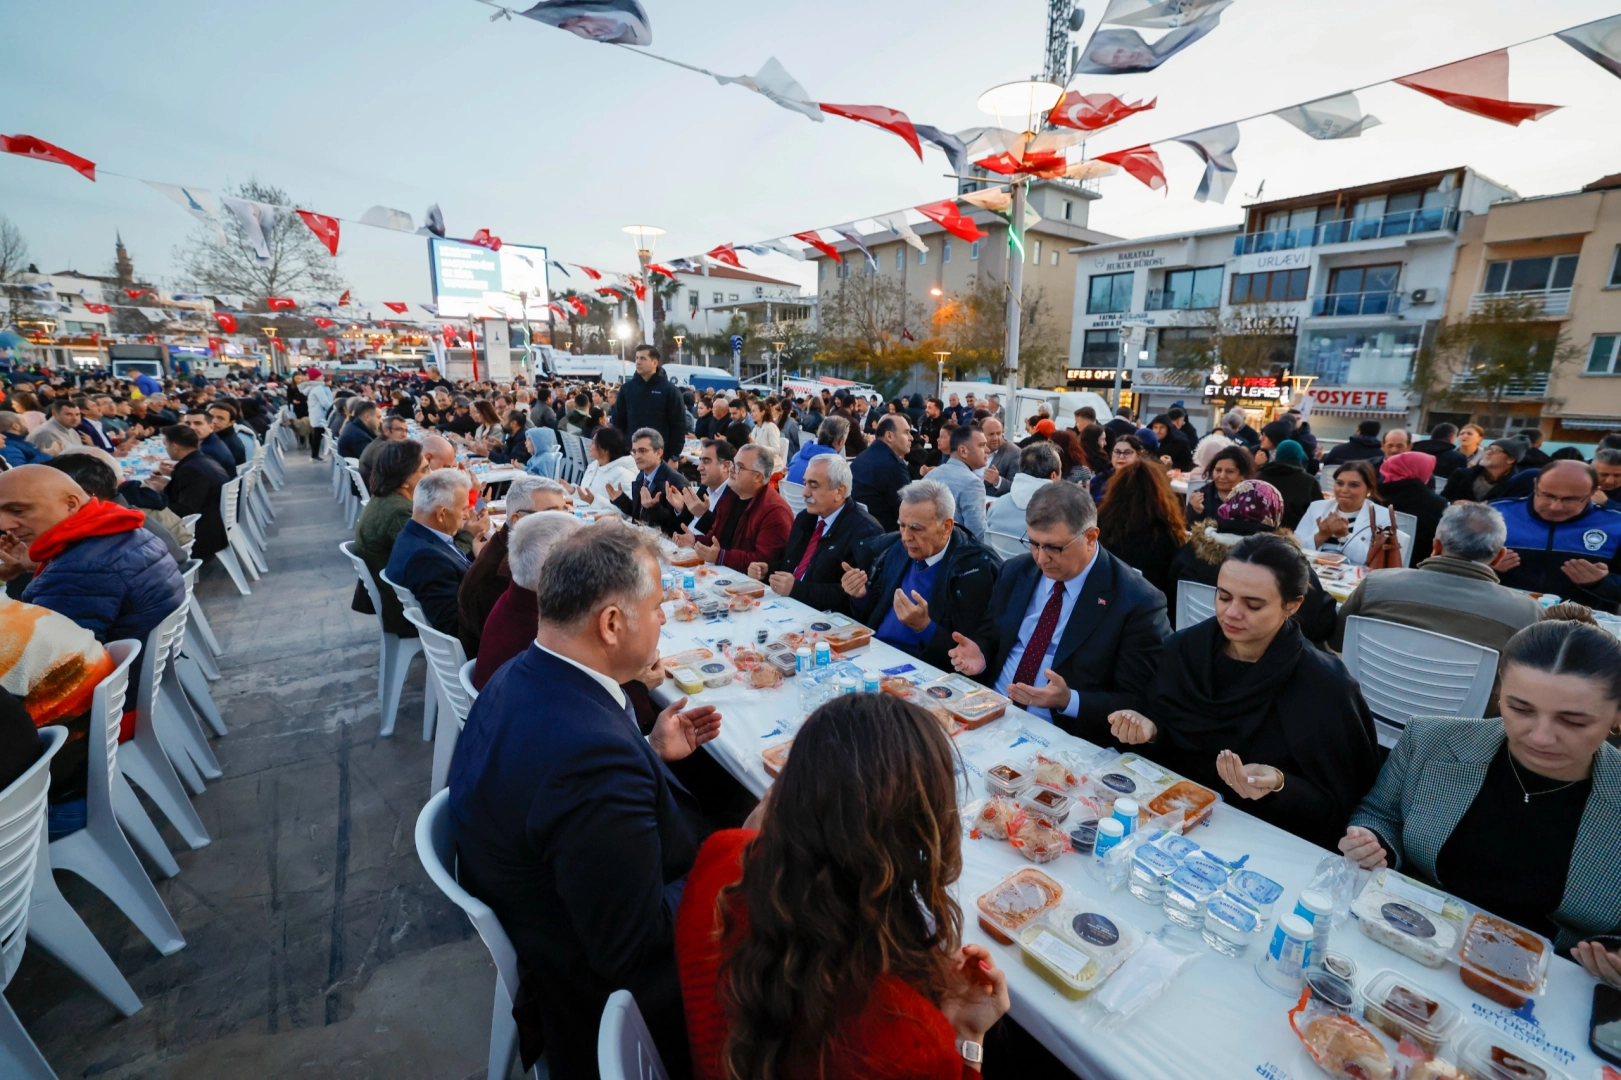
[(1253, 507), (1286, 471), (1404, 482), (1242, 704)]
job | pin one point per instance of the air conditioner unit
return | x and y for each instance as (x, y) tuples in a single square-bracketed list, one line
[(1423, 296), (759, 291)]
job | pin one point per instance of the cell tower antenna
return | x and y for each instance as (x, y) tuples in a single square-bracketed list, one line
[(1063, 20)]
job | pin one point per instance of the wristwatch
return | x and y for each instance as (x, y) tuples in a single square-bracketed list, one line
[(972, 1052)]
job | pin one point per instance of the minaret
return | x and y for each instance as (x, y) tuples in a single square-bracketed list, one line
[(121, 264)]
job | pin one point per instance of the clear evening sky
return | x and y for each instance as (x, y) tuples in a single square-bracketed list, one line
[(544, 138)]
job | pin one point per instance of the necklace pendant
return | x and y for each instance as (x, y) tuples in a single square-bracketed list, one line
[(1528, 798)]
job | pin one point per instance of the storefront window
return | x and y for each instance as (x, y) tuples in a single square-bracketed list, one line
[(1361, 357), (1102, 348), (1109, 293)]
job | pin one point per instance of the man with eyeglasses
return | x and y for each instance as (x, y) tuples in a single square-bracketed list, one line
[(1075, 633), (1561, 541), (491, 573), (825, 536), (928, 587), (749, 527)]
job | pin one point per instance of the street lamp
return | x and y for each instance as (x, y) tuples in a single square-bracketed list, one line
[(645, 237), (940, 380), (679, 338), (778, 346)]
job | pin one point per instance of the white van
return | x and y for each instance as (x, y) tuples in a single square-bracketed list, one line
[(698, 377), (1061, 404)]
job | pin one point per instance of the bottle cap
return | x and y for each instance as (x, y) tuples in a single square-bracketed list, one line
[(1125, 808), (1296, 927), (1112, 827)]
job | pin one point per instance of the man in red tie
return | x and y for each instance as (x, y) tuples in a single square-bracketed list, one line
[(1074, 630), (824, 537)]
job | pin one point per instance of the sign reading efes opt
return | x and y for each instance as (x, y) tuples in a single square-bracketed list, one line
[(472, 281)]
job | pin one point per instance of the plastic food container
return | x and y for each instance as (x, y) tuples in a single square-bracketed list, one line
[(1083, 836), (765, 677), (1009, 905), (1076, 949), (1255, 891), (978, 709), (1229, 927), (1502, 961), (1046, 802), (848, 639), (1338, 1043), (685, 558), (943, 692), (1151, 869), (1332, 990), (749, 588), (1397, 1006), (776, 757), (782, 662), (1150, 778), (1038, 839), (995, 818), (716, 673), (898, 686), (1054, 773), (688, 657), (1196, 802), (687, 679), (1186, 894), (1410, 917), (1007, 778), (1483, 1054)]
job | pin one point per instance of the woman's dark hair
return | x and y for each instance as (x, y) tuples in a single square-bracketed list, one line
[(1278, 554), (611, 441), (1130, 440), (1092, 438), (485, 413), (395, 463), (1566, 453), (848, 880), (1558, 647), (1138, 502), (1069, 450), (1241, 458), (1369, 474), (519, 418)]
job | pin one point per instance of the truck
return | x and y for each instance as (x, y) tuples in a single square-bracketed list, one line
[(1061, 404), (698, 377), (561, 365)]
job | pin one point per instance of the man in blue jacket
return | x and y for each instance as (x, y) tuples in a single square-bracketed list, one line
[(425, 558), (1560, 541), (651, 400), (880, 470), (14, 445)]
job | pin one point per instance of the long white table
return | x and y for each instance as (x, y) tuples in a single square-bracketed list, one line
[(1217, 1019)]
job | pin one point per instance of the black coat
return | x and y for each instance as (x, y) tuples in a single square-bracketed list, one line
[(1298, 488), (194, 488), (959, 601), (433, 571), (1356, 448), (1419, 499), (820, 587), (661, 513), (1518, 484), (1175, 445), (1107, 651), (1150, 554), (1448, 458), (1200, 559), (652, 403), (879, 476)]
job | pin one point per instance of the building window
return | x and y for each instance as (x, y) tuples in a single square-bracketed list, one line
[(1055, 258), (945, 250), (693, 297), (1036, 251), (733, 298), (1603, 359), (1279, 286), (1364, 279), (1102, 347), (923, 257), (1378, 357), (1182, 338), (973, 252), (1532, 275), (1109, 293), (1615, 269), (1069, 208), (900, 258), (1190, 290)]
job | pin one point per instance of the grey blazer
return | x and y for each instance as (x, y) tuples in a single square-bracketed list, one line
[(1430, 782)]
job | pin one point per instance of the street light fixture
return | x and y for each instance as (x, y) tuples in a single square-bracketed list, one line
[(646, 237), (935, 292), (940, 381), (679, 338)]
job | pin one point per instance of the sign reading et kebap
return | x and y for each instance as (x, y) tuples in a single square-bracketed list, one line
[(1246, 388)]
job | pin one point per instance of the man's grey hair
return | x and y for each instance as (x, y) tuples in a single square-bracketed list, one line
[(838, 469), (1473, 531), (765, 462), (931, 491), (593, 567), (1611, 458), (1233, 420), (532, 540), (442, 489), (652, 435), (833, 431), (1061, 505), (10, 422), (524, 487), (1041, 460)]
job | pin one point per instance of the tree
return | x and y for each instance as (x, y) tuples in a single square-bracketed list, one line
[(13, 251), (972, 326), (1496, 351), (1250, 346), (867, 321), (299, 263)]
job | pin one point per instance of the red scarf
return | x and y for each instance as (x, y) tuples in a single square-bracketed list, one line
[(97, 518)]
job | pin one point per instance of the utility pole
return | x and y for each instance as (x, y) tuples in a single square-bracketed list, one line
[(1015, 303)]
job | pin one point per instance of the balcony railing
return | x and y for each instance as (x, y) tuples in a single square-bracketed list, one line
[(1534, 387), (1356, 303), (1348, 230), (1545, 301)]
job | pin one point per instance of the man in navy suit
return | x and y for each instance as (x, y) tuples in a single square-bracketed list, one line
[(1075, 633), (425, 558), (825, 536), (646, 501), (569, 823)]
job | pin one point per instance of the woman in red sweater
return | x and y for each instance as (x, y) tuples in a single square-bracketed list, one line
[(827, 943)]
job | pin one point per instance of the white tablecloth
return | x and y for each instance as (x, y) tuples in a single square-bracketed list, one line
[(1218, 1019)]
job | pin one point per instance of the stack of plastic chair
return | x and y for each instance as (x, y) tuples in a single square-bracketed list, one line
[(151, 759), (430, 699), (445, 661), (235, 555), (22, 834), (625, 1048), (188, 668), (355, 498), (247, 517), (200, 643), (394, 652), (101, 852)]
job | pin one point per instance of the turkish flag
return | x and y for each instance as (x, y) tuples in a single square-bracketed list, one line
[(398, 307), (578, 305), (655, 268), (1093, 112), (332, 346), (151, 339), (226, 320), (325, 228), (819, 244), (889, 119), (323, 323), (724, 253), (558, 310), (278, 344), (594, 275), (97, 309), (944, 214), (641, 289), (39, 149), (215, 345), (1478, 85), (615, 293), (136, 294), (1004, 163), (483, 238), (1141, 162), (343, 301), (280, 303)]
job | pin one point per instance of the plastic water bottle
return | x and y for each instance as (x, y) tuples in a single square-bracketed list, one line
[(869, 683), (824, 654)]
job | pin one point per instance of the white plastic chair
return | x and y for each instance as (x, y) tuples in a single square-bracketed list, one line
[(188, 668), (445, 661), (1195, 602), (22, 834), (145, 760), (436, 847), (625, 1049), (1006, 545), (176, 719), (430, 700), (467, 681), (1406, 529), (233, 556), (100, 852), (253, 536), (394, 653), (793, 494), (1407, 672), (354, 501)]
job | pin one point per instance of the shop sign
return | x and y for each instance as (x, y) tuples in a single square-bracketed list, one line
[(1262, 325), (1136, 259), (1081, 378), (1372, 400), (1260, 388), (1266, 261)]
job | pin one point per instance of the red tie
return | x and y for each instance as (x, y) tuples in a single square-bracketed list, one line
[(810, 550), (1035, 651)]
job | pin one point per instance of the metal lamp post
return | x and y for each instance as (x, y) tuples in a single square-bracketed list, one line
[(679, 338), (645, 238)]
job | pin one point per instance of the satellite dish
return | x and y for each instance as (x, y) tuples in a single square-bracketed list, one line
[(1076, 19)]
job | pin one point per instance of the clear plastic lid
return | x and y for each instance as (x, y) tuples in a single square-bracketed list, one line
[(1148, 777), (1502, 961), (941, 692), (1046, 802), (1195, 801), (1079, 945), (1008, 777), (1410, 917), (978, 708), (1397, 1005), (1052, 770), (1486, 1055), (1013, 902)]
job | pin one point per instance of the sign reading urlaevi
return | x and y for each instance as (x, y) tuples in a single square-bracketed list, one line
[(469, 280)]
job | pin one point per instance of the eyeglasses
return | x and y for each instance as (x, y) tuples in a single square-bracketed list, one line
[(1054, 550), (1563, 500)]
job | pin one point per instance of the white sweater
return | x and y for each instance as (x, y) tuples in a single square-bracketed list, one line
[(1353, 546), (619, 472)]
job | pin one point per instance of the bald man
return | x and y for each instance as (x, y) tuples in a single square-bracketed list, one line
[(438, 452), (90, 560)]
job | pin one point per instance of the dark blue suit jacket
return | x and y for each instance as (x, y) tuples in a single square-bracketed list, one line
[(661, 514), (960, 600), (878, 477), (1108, 650), (580, 840), (432, 570)]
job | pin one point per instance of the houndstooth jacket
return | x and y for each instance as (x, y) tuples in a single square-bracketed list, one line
[(1430, 782)]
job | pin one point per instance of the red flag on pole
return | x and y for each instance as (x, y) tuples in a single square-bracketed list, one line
[(578, 305), (216, 345), (343, 301), (325, 228), (1477, 85), (332, 346), (280, 303), (1093, 112), (655, 268), (323, 323), (1141, 162), (615, 293), (98, 309), (484, 238), (944, 214), (40, 150), (226, 320), (398, 307), (724, 253), (558, 309), (640, 287), (136, 294), (819, 244), (889, 119), (594, 275)]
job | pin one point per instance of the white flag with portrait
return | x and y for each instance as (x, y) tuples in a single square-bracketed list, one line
[(1337, 117), (1215, 145), (258, 222), (1599, 41), (896, 223), (194, 201), (774, 83)]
